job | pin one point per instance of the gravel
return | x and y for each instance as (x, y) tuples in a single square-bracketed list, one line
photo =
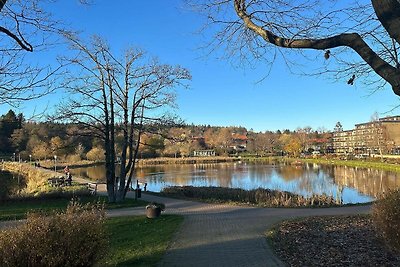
[(332, 241)]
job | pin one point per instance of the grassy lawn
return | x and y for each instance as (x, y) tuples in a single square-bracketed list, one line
[(138, 241), (356, 163), (11, 210)]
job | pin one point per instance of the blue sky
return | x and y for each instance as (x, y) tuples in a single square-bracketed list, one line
[(220, 94)]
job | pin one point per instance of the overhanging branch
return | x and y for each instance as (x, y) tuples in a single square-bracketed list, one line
[(351, 40), (24, 45)]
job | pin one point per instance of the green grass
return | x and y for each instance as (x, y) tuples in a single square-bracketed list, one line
[(368, 163), (11, 210), (138, 241), (356, 163)]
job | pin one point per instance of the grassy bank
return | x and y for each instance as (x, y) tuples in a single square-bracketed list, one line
[(374, 163), (13, 210), (35, 178), (354, 163), (138, 241)]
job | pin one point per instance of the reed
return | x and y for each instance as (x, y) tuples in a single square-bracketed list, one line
[(260, 196), (190, 160)]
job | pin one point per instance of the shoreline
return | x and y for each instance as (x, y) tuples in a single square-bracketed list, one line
[(188, 160), (221, 159)]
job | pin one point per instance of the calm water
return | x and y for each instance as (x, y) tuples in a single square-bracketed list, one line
[(353, 185)]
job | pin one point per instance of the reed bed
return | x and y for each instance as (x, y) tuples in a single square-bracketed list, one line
[(190, 160), (259, 197)]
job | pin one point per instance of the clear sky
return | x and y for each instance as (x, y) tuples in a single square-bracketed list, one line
[(221, 94)]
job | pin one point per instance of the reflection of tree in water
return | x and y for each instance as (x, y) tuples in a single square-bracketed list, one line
[(94, 173), (225, 175), (305, 179), (10, 184), (371, 182), (290, 173), (260, 174), (215, 174)]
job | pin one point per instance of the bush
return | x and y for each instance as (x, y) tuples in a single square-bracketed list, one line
[(74, 158), (75, 237), (96, 154), (386, 217)]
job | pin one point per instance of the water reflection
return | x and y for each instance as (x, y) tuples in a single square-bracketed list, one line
[(367, 181), (352, 185)]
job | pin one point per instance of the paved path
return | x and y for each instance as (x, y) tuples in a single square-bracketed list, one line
[(222, 235), (225, 235)]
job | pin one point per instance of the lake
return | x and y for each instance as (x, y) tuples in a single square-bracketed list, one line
[(352, 185)]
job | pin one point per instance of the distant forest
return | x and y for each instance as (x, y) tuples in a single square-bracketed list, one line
[(23, 139)]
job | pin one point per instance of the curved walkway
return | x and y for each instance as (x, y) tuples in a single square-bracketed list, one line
[(225, 235), (222, 235)]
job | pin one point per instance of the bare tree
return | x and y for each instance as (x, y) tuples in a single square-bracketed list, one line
[(260, 29), (378, 138), (27, 27), (111, 95), (264, 142)]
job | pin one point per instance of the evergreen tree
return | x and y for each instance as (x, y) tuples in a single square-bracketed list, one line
[(8, 124)]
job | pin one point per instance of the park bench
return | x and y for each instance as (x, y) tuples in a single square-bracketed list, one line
[(92, 187), (56, 181), (59, 181)]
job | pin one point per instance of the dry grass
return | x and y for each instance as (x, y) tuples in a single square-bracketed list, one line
[(189, 160), (75, 237), (35, 178), (260, 196)]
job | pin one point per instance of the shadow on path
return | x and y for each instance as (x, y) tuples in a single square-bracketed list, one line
[(226, 235), (222, 235)]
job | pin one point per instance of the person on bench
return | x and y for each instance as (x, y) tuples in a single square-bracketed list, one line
[(68, 180)]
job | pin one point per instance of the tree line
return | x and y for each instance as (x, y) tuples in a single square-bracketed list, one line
[(68, 141)]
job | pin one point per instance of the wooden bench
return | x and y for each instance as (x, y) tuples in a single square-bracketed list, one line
[(92, 187)]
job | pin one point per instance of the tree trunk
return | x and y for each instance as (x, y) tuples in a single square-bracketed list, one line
[(2, 3), (388, 13)]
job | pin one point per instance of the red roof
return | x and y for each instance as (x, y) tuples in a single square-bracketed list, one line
[(241, 137)]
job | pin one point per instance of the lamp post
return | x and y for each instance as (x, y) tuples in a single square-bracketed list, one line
[(14, 159), (55, 163), (30, 159)]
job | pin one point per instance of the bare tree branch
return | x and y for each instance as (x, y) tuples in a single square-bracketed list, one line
[(254, 30)]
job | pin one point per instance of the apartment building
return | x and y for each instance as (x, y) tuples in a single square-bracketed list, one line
[(375, 137)]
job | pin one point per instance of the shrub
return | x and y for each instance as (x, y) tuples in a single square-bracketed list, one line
[(96, 154), (73, 238), (386, 217), (74, 158)]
